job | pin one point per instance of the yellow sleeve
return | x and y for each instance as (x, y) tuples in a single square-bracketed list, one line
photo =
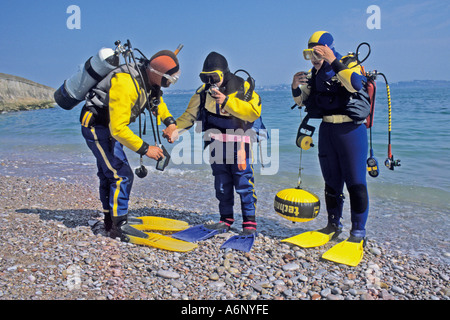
[(244, 110), (122, 98), (350, 76), (164, 113), (187, 119)]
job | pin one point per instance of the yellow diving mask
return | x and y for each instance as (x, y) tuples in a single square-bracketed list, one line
[(211, 77), (309, 54)]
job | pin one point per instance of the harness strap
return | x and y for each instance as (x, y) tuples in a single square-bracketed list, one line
[(337, 118), (225, 137), (91, 71)]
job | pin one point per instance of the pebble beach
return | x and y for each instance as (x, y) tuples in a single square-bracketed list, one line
[(52, 251)]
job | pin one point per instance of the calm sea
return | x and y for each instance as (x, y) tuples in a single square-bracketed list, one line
[(420, 139), (49, 142)]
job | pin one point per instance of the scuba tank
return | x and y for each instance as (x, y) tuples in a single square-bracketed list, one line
[(75, 88)]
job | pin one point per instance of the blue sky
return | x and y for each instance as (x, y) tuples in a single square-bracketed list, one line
[(264, 37)]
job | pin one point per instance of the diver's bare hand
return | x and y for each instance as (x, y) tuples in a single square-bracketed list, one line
[(299, 79), (154, 153), (219, 96), (171, 133), (324, 52)]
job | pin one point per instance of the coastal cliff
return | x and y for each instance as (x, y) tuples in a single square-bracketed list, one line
[(18, 93)]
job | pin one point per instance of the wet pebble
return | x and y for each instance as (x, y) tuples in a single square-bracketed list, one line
[(291, 267)]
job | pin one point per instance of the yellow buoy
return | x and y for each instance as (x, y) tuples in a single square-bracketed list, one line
[(297, 205)]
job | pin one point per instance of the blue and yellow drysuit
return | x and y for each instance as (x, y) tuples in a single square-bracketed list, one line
[(333, 94), (238, 116), (110, 107)]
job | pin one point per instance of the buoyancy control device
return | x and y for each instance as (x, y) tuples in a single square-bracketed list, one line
[(258, 130), (261, 133)]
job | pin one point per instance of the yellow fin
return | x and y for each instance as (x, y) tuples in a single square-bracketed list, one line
[(163, 242), (310, 239), (349, 252), (157, 223)]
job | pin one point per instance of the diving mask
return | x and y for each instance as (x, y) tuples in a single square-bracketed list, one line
[(171, 78), (211, 77), (309, 54)]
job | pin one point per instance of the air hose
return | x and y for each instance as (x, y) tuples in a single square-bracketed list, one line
[(390, 163)]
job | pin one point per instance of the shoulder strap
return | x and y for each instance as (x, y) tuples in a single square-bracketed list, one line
[(91, 71)]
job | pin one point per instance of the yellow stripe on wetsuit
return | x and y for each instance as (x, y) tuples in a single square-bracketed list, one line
[(86, 119), (110, 167)]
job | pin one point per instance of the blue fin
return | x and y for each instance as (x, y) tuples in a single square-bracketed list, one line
[(196, 233), (240, 242)]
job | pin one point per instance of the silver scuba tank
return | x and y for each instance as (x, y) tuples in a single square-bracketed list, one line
[(74, 89)]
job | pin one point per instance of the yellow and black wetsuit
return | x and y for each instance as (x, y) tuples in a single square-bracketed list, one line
[(226, 126), (235, 113), (110, 107)]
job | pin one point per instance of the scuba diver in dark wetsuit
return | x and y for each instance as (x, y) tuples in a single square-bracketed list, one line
[(330, 94)]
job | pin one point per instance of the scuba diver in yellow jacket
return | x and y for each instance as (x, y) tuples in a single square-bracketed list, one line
[(227, 107), (332, 93), (114, 103)]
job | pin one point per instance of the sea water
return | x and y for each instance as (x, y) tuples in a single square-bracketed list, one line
[(412, 198)]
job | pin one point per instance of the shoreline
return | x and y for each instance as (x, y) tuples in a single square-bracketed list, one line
[(50, 252), (414, 227)]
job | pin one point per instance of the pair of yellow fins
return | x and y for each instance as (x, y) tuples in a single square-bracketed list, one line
[(157, 240), (349, 252)]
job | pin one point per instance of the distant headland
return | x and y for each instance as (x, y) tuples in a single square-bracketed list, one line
[(17, 93)]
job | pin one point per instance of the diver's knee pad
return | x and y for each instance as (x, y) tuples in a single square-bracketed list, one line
[(332, 199), (359, 199), (335, 203)]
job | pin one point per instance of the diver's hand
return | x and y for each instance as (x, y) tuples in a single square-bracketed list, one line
[(219, 96), (154, 153), (171, 133), (324, 52), (299, 79)]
